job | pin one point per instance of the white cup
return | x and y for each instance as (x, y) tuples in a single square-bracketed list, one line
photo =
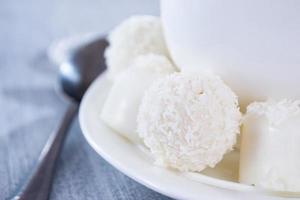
[(254, 45)]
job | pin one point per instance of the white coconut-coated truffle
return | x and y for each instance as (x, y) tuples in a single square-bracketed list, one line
[(135, 36), (189, 121), (121, 106)]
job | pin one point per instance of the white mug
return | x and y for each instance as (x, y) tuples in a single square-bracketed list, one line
[(254, 45)]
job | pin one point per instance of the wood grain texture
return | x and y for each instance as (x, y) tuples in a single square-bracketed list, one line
[(30, 108)]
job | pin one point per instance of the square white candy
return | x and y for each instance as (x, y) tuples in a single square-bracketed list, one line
[(270, 147)]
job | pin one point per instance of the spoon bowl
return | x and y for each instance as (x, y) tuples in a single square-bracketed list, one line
[(81, 68)]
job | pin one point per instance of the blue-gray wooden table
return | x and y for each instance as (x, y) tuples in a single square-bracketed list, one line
[(30, 107)]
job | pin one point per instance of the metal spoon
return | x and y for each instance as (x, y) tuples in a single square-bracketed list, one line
[(76, 74)]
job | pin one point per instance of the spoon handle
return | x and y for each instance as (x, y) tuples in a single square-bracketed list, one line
[(39, 183)]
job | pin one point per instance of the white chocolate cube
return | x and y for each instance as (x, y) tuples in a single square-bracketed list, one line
[(121, 106), (270, 146)]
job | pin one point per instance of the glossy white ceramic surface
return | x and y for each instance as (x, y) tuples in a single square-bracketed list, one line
[(254, 45)]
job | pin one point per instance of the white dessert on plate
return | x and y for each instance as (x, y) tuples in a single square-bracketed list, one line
[(121, 106), (270, 146), (137, 35), (189, 121)]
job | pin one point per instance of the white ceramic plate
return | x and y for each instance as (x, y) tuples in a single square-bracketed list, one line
[(135, 162)]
